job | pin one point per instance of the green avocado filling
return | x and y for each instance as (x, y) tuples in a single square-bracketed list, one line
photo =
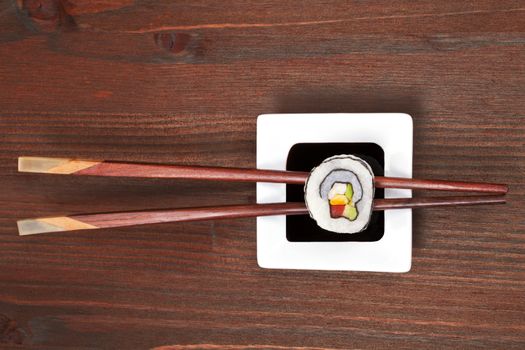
[(350, 211), (349, 192)]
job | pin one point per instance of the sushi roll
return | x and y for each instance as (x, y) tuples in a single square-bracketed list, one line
[(339, 194)]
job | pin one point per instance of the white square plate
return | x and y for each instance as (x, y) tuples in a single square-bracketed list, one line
[(277, 133)]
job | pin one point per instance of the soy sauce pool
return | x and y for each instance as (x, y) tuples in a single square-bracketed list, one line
[(304, 157)]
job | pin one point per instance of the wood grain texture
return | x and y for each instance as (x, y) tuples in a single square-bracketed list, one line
[(182, 82)]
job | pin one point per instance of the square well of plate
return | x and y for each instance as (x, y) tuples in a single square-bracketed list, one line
[(302, 141), (306, 156)]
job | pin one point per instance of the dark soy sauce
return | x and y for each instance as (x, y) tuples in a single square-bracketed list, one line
[(304, 157)]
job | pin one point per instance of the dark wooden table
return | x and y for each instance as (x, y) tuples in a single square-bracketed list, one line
[(183, 83)]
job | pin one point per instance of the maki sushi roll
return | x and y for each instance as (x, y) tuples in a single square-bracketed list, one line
[(339, 194)]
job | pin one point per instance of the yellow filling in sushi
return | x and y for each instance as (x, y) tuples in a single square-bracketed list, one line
[(339, 199)]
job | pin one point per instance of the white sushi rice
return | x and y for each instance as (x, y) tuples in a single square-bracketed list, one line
[(343, 169)]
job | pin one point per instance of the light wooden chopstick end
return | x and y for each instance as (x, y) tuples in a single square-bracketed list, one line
[(49, 165), (54, 224), (35, 226)]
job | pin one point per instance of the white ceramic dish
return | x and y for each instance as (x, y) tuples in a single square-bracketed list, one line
[(277, 133)]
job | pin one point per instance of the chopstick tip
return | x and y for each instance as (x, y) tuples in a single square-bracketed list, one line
[(51, 224), (38, 164), (50, 165), (35, 226)]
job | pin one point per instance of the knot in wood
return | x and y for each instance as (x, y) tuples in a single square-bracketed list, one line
[(174, 43)]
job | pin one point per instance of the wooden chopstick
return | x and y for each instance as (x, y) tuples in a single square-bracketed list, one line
[(110, 168), (428, 202), (439, 185), (121, 219), (107, 168)]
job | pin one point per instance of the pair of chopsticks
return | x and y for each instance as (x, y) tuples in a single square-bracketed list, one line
[(122, 169)]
